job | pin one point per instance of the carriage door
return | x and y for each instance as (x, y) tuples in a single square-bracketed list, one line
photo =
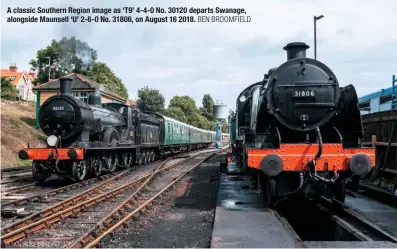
[(172, 132), (169, 132)]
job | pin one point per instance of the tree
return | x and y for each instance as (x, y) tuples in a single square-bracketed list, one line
[(102, 74), (187, 106), (185, 103), (208, 107), (176, 113), (8, 90), (198, 120), (75, 56), (66, 56), (150, 100)]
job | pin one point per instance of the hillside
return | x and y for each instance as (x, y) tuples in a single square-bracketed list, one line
[(17, 129)]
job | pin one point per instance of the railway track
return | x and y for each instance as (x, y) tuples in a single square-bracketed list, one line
[(37, 206), (89, 206), (355, 224), (322, 220), (18, 189), (35, 202), (16, 168), (16, 206), (16, 180)]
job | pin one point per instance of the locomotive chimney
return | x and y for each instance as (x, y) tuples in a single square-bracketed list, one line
[(296, 50), (66, 86)]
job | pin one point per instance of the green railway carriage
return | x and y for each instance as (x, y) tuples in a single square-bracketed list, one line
[(175, 134)]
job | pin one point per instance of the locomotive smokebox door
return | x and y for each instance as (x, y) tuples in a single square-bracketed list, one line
[(303, 93)]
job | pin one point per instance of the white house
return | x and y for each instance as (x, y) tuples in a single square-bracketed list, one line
[(22, 81)]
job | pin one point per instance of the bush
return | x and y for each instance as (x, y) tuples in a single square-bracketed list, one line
[(8, 90)]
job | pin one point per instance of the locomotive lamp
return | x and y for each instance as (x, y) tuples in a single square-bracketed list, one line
[(52, 140)]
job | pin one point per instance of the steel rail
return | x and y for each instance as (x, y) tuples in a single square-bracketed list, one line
[(14, 179), (19, 189), (51, 192), (101, 235), (16, 168)]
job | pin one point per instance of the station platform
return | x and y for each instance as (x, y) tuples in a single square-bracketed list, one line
[(243, 220)]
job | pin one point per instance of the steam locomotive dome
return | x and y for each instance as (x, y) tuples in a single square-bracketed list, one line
[(65, 115), (302, 93)]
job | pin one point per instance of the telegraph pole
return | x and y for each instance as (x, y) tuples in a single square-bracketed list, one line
[(49, 68)]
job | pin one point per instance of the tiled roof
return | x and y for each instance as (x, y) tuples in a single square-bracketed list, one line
[(78, 82), (7, 73)]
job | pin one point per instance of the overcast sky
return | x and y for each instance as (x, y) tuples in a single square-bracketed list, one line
[(357, 39)]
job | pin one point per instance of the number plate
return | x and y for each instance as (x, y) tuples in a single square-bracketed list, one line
[(304, 94), (58, 108)]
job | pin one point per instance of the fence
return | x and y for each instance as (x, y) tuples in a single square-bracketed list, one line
[(378, 130)]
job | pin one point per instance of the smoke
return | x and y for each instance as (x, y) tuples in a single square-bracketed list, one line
[(85, 55)]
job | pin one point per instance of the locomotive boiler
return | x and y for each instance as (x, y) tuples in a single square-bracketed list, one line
[(71, 121), (299, 132)]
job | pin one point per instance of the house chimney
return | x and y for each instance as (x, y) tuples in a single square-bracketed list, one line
[(13, 68), (296, 50), (66, 86)]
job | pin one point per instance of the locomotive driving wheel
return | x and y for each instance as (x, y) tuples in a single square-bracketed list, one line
[(128, 160), (146, 157), (112, 162), (152, 156), (79, 170), (96, 164), (140, 158)]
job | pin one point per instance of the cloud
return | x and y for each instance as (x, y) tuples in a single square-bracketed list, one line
[(356, 39)]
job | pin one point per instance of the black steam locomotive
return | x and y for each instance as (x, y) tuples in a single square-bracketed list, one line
[(298, 131), (92, 138)]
